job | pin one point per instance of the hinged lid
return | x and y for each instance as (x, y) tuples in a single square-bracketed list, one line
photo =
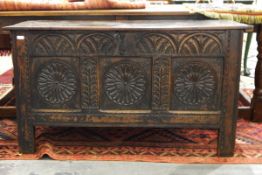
[(129, 25)]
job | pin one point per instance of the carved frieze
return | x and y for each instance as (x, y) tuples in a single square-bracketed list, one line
[(155, 43), (52, 45), (96, 44), (200, 44)]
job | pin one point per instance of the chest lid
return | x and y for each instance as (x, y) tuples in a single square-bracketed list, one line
[(129, 25)]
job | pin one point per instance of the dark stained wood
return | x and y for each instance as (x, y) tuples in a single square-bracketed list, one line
[(128, 74), (26, 134), (256, 103), (244, 112), (230, 94)]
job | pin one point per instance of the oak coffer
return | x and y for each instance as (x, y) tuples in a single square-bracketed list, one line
[(158, 73)]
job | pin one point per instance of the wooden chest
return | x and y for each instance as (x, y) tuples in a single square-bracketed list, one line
[(127, 74)]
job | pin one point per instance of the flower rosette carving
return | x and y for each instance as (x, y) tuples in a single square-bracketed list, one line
[(195, 83), (125, 83), (56, 83)]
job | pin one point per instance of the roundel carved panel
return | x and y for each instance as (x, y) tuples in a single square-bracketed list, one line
[(125, 83), (56, 83), (195, 83)]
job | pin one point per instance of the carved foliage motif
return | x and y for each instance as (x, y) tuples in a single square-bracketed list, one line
[(97, 43), (200, 44), (56, 45), (195, 83), (156, 44), (89, 83), (160, 88), (125, 83), (56, 83)]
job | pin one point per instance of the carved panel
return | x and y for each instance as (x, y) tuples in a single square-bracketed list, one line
[(196, 84), (160, 84), (56, 83), (155, 43), (89, 83), (125, 83), (200, 44), (96, 43), (52, 45)]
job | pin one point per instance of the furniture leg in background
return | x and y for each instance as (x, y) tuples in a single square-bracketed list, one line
[(248, 42), (256, 103)]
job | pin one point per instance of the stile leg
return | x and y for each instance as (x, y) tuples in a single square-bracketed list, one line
[(26, 137), (226, 141)]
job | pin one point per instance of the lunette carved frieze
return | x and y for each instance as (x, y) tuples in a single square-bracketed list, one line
[(156, 43), (200, 44), (96, 44), (53, 45)]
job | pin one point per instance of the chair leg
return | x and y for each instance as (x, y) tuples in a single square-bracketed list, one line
[(248, 42)]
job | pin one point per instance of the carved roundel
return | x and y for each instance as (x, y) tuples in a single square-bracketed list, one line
[(195, 83), (125, 83), (56, 83)]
